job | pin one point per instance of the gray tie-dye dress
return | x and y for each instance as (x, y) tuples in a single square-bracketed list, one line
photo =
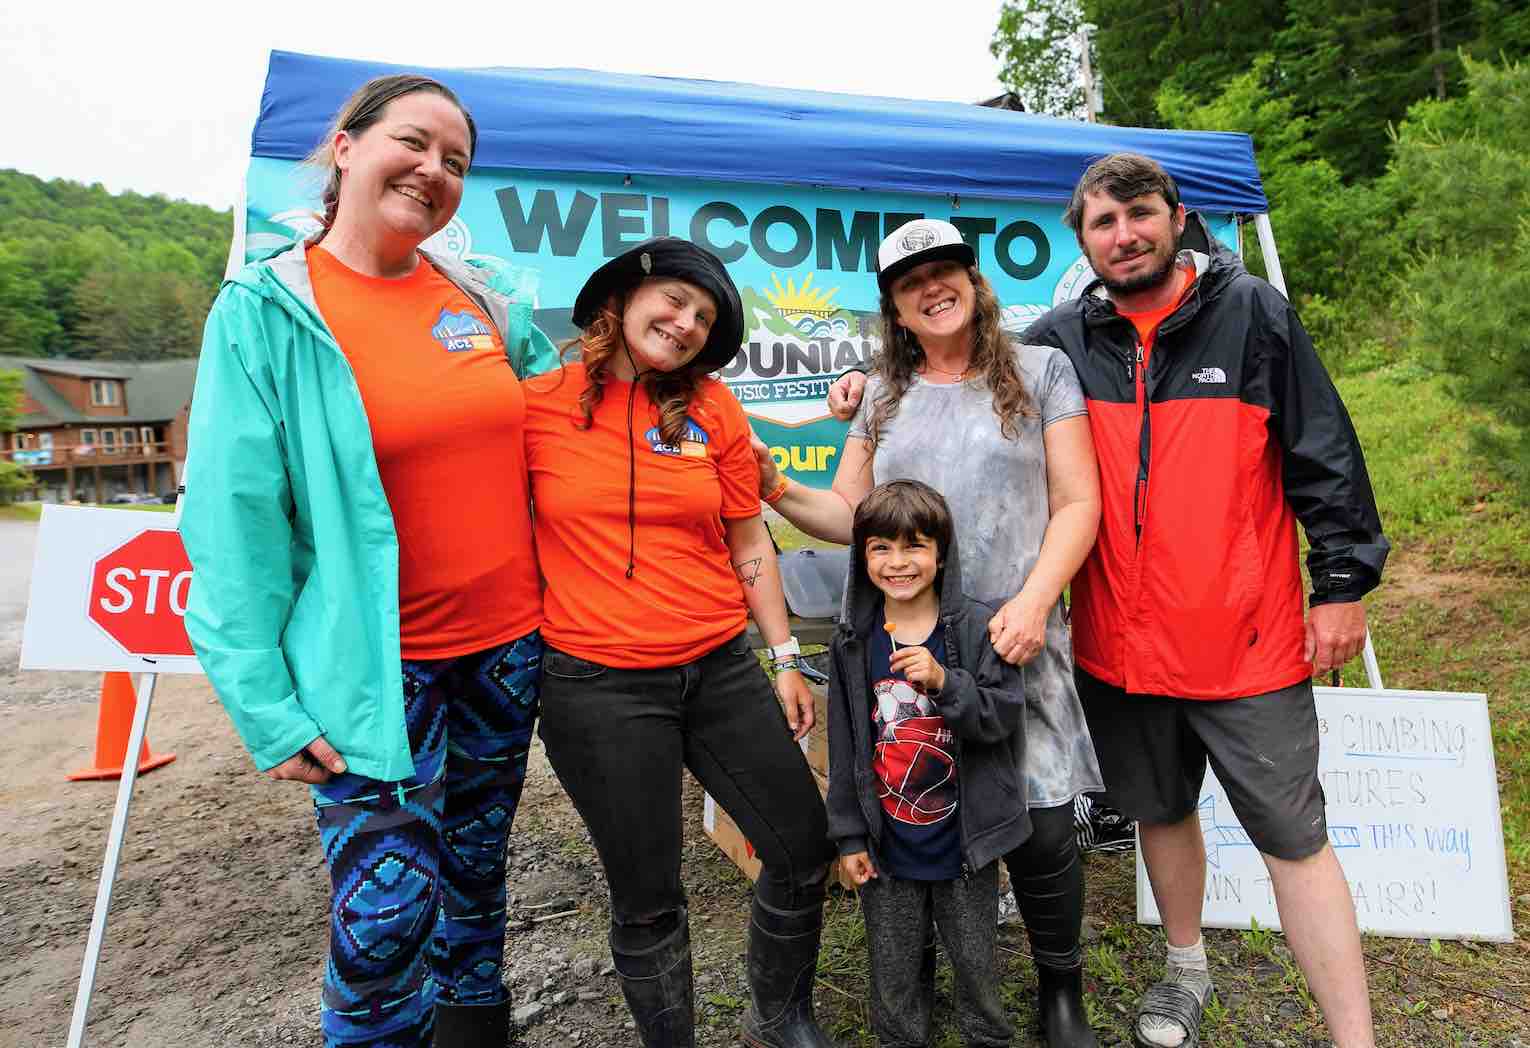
[(949, 437)]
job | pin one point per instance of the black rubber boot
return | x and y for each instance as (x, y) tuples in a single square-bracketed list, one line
[(783, 961), (473, 1025), (1064, 1022), (657, 985)]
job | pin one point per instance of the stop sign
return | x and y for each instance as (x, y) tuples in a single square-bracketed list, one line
[(138, 595)]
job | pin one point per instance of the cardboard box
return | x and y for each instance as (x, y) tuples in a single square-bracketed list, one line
[(815, 744), (727, 836)]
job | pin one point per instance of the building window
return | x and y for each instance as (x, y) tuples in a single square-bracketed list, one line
[(105, 392), (147, 432), (87, 441), (129, 439), (109, 441), (19, 441)]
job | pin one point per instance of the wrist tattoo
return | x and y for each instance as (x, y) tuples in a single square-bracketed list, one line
[(749, 571)]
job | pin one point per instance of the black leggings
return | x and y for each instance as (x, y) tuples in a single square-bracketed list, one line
[(1047, 874), (618, 738)]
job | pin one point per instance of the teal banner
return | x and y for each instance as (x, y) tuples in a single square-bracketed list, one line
[(804, 261)]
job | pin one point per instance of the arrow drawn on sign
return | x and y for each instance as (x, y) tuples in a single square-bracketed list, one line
[(1230, 835)]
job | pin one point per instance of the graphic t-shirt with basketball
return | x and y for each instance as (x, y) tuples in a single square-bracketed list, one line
[(914, 763)]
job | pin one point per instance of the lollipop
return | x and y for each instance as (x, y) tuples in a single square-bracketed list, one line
[(891, 628)]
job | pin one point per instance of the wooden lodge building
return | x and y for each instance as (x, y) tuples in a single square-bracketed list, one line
[(93, 431)]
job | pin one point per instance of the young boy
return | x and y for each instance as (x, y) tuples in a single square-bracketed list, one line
[(926, 745)]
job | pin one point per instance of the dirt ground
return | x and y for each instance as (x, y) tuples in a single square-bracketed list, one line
[(217, 933)]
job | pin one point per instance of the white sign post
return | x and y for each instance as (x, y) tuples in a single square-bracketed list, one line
[(114, 838), (108, 593), (1413, 816)]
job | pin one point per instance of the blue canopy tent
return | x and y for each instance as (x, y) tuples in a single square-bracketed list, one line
[(582, 121), (589, 122)]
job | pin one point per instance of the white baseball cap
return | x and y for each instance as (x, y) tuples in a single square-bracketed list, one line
[(922, 240)]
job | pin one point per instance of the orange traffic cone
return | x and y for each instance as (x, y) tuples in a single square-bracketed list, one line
[(114, 726)]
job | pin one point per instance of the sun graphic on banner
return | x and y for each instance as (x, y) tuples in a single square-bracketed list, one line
[(806, 301)]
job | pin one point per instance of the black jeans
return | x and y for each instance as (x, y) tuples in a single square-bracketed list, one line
[(617, 739), (1047, 875)]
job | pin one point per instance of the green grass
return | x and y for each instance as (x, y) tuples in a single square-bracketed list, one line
[(150, 507), (1432, 493), (789, 538), (33, 510)]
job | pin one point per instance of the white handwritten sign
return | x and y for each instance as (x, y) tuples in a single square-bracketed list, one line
[(1413, 816)]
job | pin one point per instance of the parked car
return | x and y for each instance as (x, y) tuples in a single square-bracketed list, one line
[(132, 498)]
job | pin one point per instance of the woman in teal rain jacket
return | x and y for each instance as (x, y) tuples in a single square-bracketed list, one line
[(365, 589)]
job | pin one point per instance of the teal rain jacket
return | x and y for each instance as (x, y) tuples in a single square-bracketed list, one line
[(293, 609)]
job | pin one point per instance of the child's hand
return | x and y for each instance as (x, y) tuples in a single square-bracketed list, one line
[(917, 666), (858, 866)]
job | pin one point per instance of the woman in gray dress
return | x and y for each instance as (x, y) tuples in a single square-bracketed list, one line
[(1001, 430)]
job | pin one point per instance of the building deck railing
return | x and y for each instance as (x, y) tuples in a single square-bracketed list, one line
[(88, 455)]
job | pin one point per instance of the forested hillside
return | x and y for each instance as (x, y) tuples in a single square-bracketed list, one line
[(85, 273), (1392, 139)]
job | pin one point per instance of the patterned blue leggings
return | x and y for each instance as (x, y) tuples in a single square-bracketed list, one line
[(417, 868)]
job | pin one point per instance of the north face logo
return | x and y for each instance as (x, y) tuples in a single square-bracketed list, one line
[(1209, 375)]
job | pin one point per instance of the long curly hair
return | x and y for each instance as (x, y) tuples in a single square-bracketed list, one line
[(670, 391), (992, 363)]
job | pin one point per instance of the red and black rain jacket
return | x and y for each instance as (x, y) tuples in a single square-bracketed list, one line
[(1208, 457)]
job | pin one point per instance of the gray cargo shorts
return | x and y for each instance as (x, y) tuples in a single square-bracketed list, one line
[(1154, 749)]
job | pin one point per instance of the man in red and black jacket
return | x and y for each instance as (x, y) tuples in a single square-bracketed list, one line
[(1217, 429)]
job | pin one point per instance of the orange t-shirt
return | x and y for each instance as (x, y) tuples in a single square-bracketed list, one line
[(446, 414), (1147, 322), (683, 598)]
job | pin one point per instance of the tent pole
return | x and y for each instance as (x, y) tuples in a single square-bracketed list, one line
[(236, 244), (1277, 278), (1271, 256), (1372, 667)]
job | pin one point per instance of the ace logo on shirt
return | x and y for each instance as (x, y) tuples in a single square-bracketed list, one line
[(458, 332), (692, 445)]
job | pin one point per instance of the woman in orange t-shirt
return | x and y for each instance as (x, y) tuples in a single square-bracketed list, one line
[(653, 552), (352, 394)]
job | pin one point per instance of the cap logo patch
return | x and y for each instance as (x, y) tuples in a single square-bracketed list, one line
[(917, 240), (646, 261)]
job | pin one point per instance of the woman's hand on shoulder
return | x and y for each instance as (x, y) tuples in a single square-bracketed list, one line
[(1019, 631), (313, 764), (797, 700)]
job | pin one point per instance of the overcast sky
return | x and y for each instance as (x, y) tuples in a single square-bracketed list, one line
[(160, 97)]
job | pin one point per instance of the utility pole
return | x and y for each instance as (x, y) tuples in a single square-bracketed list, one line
[(1086, 72), (1434, 40)]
